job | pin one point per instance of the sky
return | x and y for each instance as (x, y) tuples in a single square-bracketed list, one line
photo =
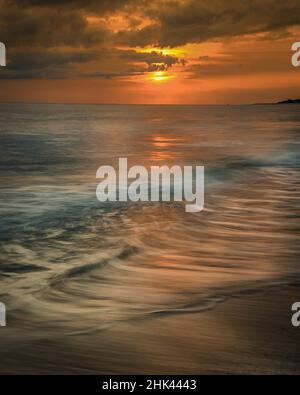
[(149, 51)]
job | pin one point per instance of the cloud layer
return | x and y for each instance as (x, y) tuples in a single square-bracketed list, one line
[(60, 39)]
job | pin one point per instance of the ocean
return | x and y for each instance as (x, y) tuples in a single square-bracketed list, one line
[(87, 284)]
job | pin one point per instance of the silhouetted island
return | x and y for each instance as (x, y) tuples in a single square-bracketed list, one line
[(290, 101)]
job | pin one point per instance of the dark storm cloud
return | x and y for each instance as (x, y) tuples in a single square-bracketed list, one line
[(45, 63), (60, 63), (46, 27), (37, 59), (173, 22), (153, 57), (103, 6), (60, 36), (157, 67), (109, 76), (177, 23)]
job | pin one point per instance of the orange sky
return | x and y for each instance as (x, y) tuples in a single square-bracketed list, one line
[(183, 51)]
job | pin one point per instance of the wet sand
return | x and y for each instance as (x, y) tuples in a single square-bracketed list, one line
[(246, 334)]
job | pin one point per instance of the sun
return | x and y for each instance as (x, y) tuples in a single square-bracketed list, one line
[(160, 76)]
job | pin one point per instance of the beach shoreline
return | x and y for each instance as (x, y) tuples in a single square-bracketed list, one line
[(249, 334)]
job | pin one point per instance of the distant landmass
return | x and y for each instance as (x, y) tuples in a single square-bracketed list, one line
[(288, 101)]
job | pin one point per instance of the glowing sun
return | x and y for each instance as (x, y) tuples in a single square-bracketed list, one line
[(160, 76)]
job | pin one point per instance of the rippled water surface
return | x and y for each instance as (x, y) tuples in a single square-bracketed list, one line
[(73, 265)]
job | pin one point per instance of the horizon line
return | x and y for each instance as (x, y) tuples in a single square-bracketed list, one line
[(138, 104)]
